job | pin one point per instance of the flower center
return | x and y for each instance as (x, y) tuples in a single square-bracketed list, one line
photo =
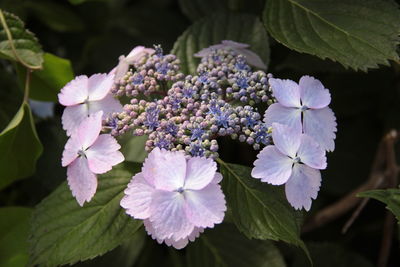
[(81, 153), (180, 190), (303, 108), (296, 160)]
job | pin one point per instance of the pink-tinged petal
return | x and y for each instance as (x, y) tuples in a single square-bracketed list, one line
[(121, 69), (99, 85), (108, 105), (168, 215), (137, 197), (303, 186), (206, 51), (320, 124), (73, 116), (200, 171), (150, 165), (272, 166), (170, 170), (217, 178), (104, 154), (252, 58), (89, 129), (234, 44), (283, 115), (81, 181), (75, 92), (286, 139), (137, 53), (311, 154), (286, 92), (70, 152), (205, 207), (313, 94)]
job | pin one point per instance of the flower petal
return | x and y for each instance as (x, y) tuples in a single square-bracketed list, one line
[(217, 178), (303, 186), (286, 92), (75, 92), (168, 215), (108, 105), (320, 124), (205, 207), (150, 165), (169, 170), (89, 129), (104, 154), (137, 197), (311, 153), (286, 139), (73, 116), (99, 85), (283, 115), (200, 171), (313, 94), (70, 152), (81, 181), (252, 58), (272, 166), (234, 44)]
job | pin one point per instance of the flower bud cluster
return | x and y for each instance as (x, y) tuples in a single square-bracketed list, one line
[(195, 110)]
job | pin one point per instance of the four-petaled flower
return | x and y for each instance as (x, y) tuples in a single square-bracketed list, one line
[(84, 96), (88, 153), (303, 106), (177, 198), (239, 48), (294, 160)]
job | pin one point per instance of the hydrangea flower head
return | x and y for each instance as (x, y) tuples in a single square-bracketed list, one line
[(303, 106), (294, 160), (88, 153), (176, 197), (240, 48), (84, 96), (124, 62)]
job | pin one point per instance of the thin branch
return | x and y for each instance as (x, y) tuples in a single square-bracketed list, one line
[(27, 84)]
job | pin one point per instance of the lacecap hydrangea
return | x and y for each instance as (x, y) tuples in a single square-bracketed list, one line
[(177, 193)]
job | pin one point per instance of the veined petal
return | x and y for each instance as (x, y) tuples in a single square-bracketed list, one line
[(205, 207), (170, 170), (320, 124), (283, 115), (137, 53), (311, 153), (200, 171), (303, 186), (150, 165), (81, 181), (217, 178), (75, 92), (286, 139), (89, 129), (104, 154), (99, 85), (137, 197), (272, 166), (108, 105), (168, 216), (286, 92), (70, 152), (313, 94), (73, 116)]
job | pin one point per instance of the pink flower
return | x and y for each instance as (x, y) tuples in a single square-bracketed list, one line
[(294, 160), (84, 96), (240, 48), (308, 99), (135, 55), (86, 154), (177, 198)]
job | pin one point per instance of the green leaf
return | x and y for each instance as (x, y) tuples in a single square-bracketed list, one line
[(64, 233), (357, 33), (10, 97), (212, 30), (196, 9), (26, 44), (47, 83), (56, 16), (259, 210), (391, 197), (21, 145), (133, 148), (225, 246), (14, 228)]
